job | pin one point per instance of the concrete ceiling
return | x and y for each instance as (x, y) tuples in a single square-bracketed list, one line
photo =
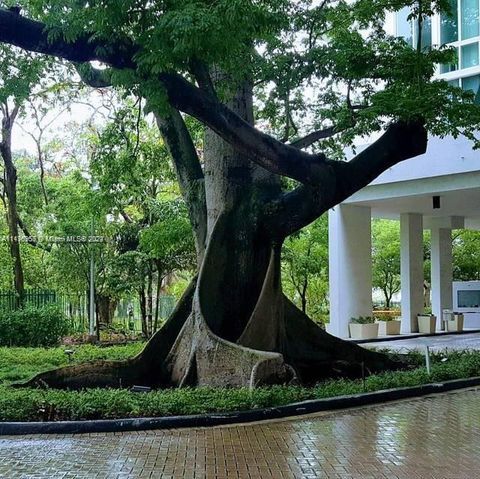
[(465, 203)]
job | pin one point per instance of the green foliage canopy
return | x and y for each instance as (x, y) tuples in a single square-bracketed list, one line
[(360, 79)]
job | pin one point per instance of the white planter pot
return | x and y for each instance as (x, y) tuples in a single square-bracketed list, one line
[(426, 323), (363, 331), (389, 328), (456, 324)]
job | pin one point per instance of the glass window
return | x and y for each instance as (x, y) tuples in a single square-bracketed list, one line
[(468, 299), (426, 33), (454, 83), (449, 67), (470, 55), (470, 19), (449, 24), (472, 84), (404, 26)]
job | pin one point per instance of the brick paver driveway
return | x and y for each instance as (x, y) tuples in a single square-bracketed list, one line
[(434, 437)]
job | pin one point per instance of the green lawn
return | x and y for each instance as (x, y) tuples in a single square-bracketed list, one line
[(19, 364), (38, 405)]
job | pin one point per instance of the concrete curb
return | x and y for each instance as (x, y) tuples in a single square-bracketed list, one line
[(208, 420)]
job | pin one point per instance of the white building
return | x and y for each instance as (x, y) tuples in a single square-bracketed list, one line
[(450, 170)]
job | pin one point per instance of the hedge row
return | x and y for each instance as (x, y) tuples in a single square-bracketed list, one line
[(53, 405), (33, 326)]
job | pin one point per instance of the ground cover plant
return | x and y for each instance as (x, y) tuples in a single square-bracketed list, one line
[(53, 405), (19, 364)]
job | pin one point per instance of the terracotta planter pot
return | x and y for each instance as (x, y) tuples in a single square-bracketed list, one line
[(389, 328), (456, 324), (426, 323), (363, 331)]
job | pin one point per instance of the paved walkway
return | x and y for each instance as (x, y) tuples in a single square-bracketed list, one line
[(434, 437), (436, 343)]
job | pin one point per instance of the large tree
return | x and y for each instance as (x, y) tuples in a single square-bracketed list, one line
[(234, 326)]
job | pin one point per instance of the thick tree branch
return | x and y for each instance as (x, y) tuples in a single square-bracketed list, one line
[(400, 142), (313, 137), (268, 152), (189, 172), (294, 210), (203, 77), (33, 36), (265, 150)]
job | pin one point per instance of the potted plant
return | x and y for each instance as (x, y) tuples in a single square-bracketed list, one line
[(387, 325), (363, 327), (427, 323), (456, 323)]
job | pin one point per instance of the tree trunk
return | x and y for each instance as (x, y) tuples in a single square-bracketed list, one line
[(157, 296), (233, 326), (10, 186), (106, 307), (303, 296), (143, 312), (149, 300), (388, 301)]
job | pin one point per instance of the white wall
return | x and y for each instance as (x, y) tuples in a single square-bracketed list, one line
[(443, 157)]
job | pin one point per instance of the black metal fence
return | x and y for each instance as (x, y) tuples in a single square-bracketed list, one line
[(75, 307), (32, 297)]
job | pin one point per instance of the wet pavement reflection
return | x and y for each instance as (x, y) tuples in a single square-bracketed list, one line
[(428, 438)]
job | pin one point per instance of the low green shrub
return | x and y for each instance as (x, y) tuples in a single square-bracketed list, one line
[(33, 326), (386, 315), (363, 320), (54, 405)]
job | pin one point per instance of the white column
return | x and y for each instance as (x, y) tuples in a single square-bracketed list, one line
[(350, 263), (411, 267), (441, 272)]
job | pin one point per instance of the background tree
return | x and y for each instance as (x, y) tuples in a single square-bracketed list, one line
[(168, 243), (234, 325), (386, 258), (466, 256), (305, 269), (137, 187), (20, 74)]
